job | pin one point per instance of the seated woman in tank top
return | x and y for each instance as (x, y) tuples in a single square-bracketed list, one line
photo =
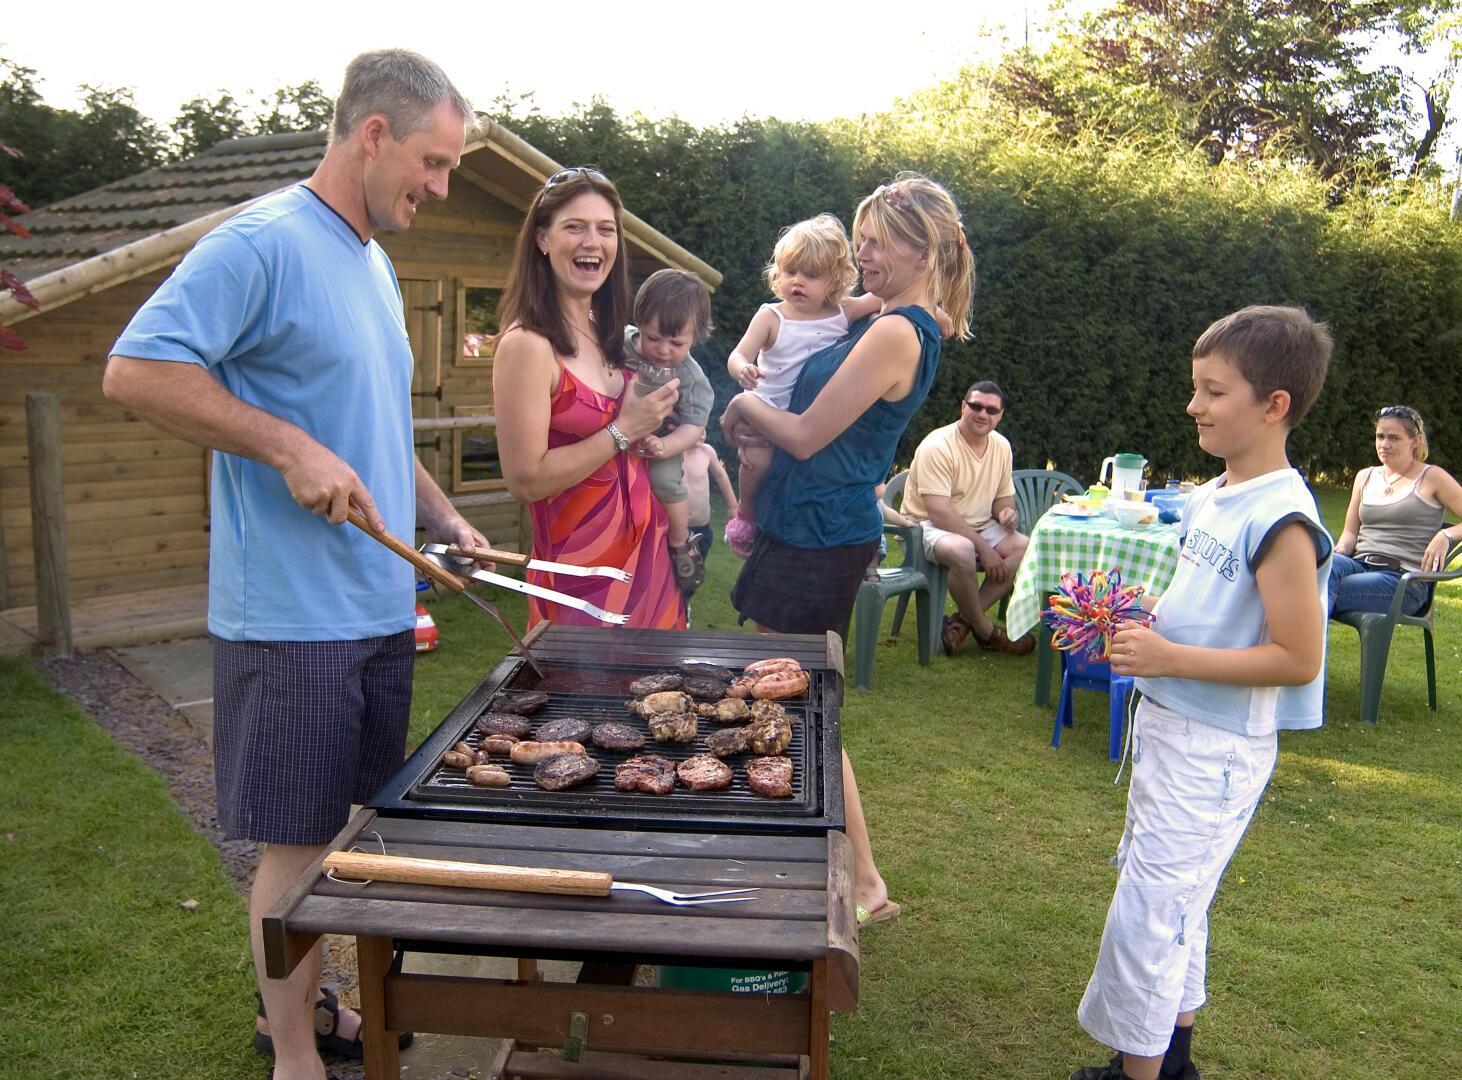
[(1395, 520)]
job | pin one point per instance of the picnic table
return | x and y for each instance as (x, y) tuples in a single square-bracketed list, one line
[(1146, 555)]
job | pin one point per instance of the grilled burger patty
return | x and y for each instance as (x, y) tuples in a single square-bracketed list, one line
[(770, 776), (706, 671), (704, 689), (499, 723), (654, 684), (521, 702), (569, 729), (650, 773), (704, 772), (564, 771), (616, 736)]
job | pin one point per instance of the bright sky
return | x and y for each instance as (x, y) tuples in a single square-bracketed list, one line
[(705, 62)]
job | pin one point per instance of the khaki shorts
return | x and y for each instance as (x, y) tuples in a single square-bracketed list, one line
[(993, 534)]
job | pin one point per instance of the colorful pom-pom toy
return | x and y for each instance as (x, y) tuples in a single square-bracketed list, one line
[(1085, 612)]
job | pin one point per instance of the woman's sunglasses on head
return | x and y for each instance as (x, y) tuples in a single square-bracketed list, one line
[(563, 176)]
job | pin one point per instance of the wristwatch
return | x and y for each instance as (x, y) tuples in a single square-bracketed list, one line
[(621, 440)]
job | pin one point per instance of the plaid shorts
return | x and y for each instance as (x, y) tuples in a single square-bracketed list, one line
[(302, 729)]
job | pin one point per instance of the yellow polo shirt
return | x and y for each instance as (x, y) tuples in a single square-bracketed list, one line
[(945, 465)]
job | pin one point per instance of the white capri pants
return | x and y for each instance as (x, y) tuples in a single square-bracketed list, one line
[(1194, 789)]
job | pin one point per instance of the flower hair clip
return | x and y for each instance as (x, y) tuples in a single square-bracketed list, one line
[(894, 196)]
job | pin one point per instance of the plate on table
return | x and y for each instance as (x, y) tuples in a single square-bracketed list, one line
[(1074, 510)]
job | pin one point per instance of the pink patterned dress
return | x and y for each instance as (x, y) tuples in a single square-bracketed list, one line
[(610, 518)]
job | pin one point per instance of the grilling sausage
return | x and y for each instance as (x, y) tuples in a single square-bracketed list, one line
[(489, 776), (531, 753), (780, 684), (502, 745)]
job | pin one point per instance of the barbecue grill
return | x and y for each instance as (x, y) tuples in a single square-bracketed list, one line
[(586, 672)]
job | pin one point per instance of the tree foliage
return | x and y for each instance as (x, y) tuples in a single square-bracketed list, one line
[(201, 123), (70, 151), (1299, 79)]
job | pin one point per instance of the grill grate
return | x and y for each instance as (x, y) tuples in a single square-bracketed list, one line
[(597, 693)]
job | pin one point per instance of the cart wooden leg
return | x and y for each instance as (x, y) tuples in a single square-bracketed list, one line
[(374, 956), (820, 1028)]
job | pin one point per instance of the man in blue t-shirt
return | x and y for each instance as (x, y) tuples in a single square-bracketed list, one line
[(280, 342)]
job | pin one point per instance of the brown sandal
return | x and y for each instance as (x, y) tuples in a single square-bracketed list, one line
[(690, 566)]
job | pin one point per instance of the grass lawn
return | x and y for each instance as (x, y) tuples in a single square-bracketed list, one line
[(1335, 938)]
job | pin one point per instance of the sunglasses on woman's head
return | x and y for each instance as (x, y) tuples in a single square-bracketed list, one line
[(993, 410), (1400, 410), (563, 176)]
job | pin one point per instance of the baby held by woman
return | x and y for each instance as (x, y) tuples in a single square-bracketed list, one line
[(811, 274)]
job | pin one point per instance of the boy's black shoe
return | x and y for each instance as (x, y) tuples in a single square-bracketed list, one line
[(1112, 1070)]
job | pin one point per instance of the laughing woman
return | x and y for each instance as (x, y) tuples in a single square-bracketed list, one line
[(819, 516), (1394, 521), (565, 426)]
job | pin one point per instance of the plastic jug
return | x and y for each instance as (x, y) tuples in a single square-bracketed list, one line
[(1126, 471)]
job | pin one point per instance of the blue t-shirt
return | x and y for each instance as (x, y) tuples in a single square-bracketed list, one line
[(827, 501), (287, 309), (1214, 600)]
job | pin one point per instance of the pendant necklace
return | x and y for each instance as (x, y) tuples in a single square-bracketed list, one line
[(1391, 483)]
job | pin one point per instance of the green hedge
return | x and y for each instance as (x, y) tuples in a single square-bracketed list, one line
[(1098, 267)]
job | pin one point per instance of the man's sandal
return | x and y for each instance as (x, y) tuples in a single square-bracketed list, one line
[(327, 1026)]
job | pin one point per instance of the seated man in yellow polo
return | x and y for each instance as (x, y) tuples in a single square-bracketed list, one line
[(961, 493)]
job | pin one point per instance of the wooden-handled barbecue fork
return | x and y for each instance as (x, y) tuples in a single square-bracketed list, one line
[(368, 866)]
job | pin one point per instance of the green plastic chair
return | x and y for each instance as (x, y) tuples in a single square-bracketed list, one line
[(926, 581), (1376, 628), (1037, 490)]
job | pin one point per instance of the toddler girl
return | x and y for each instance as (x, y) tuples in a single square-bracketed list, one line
[(811, 274)]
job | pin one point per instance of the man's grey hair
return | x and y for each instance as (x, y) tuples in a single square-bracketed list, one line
[(400, 85)]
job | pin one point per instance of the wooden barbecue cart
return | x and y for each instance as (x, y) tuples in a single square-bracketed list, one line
[(792, 851)]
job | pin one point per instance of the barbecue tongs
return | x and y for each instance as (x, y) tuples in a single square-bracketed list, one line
[(460, 561), (445, 578)]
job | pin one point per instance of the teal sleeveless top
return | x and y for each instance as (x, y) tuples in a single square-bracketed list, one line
[(827, 501)]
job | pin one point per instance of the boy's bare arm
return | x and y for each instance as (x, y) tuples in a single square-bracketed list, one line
[(723, 481), (1292, 656)]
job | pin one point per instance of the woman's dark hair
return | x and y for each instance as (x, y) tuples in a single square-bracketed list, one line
[(531, 297)]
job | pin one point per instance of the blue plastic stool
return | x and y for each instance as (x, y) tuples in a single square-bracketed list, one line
[(1079, 673)]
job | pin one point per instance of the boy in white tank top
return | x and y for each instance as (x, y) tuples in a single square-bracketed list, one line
[(811, 273)]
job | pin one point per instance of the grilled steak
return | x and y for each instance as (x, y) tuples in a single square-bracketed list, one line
[(570, 729), (497, 723), (521, 702), (674, 727), (489, 776), (661, 702), (704, 773), (770, 776), (614, 736), (704, 689), (654, 684), (501, 745), (729, 710), (564, 771), (649, 773), (771, 735), (705, 671), (531, 753), (729, 740)]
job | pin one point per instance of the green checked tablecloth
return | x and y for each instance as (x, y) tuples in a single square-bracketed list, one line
[(1147, 556)]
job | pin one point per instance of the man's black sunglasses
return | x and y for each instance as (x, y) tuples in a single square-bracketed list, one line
[(993, 410), (563, 176)]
